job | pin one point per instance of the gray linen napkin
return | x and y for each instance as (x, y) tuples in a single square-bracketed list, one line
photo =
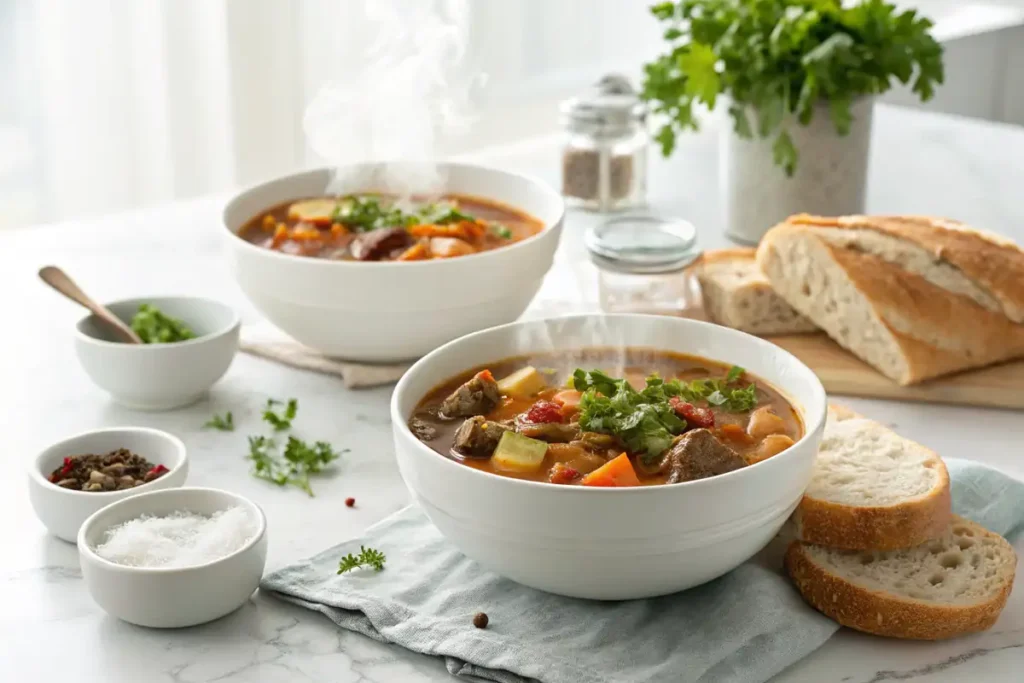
[(745, 627)]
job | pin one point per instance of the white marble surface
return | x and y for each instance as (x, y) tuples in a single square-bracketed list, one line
[(51, 630)]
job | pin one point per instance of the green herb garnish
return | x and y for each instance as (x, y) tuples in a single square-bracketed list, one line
[(645, 420), (777, 60), (298, 461), (225, 423), (442, 214), (365, 213), (501, 231), (155, 327), (368, 557), (280, 421)]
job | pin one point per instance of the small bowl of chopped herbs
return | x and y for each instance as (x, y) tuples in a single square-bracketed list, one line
[(188, 344)]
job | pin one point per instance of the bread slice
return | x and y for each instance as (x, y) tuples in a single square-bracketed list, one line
[(736, 294), (872, 489), (955, 584), (894, 318)]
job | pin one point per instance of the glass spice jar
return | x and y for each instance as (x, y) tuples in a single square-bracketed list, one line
[(604, 163), (643, 265)]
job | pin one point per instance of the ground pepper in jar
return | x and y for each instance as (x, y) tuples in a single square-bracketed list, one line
[(115, 471)]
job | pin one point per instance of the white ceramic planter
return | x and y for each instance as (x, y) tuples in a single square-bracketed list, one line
[(830, 177)]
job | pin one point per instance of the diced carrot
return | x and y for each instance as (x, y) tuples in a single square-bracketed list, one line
[(305, 232), (416, 252), (736, 433), (280, 235), (466, 230), (485, 375), (616, 472), (570, 400), (337, 229), (269, 222), (448, 247)]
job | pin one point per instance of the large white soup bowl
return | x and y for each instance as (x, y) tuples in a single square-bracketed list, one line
[(609, 544), (387, 310)]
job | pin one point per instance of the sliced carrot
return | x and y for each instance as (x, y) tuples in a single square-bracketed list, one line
[(570, 400), (337, 229), (280, 235), (416, 252), (305, 232), (616, 472), (466, 230)]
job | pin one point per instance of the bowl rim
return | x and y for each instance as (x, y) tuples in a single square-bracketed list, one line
[(531, 179), (234, 322), (812, 423), (36, 472), (85, 549)]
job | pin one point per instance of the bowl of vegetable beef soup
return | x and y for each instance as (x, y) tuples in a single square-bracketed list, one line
[(608, 457), (366, 273)]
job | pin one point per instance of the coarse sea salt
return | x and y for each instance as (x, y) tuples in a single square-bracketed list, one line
[(180, 539)]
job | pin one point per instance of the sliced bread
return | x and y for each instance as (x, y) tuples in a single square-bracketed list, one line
[(876, 294), (955, 584), (872, 489), (736, 294)]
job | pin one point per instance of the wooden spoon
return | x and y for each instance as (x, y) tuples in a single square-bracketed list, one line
[(59, 280)]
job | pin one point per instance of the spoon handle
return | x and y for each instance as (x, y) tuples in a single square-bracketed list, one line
[(60, 281)]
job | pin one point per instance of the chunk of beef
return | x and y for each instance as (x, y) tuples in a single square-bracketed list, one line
[(554, 432), (477, 396), (697, 454), (372, 245), (423, 430), (478, 437)]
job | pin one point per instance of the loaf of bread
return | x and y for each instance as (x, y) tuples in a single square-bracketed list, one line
[(915, 297), (736, 294)]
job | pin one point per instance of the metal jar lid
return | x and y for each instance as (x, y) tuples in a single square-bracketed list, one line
[(611, 108), (643, 244)]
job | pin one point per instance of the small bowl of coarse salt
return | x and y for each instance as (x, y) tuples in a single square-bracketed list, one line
[(174, 558)]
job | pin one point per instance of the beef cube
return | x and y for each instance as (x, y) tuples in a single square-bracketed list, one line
[(697, 454), (478, 396), (375, 244), (478, 437), (423, 430)]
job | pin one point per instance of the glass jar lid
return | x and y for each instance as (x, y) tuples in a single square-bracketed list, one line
[(643, 244), (612, 107)]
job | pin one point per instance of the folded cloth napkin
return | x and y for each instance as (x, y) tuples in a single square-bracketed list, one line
[(744, 627), (266, 342)]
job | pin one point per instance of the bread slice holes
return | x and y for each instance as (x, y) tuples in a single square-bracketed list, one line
[(805, 290), (928, 464), (990, 555), (975, 560), (866, 558), (964, 543), (936, 547), (951, 560), (936, 579)]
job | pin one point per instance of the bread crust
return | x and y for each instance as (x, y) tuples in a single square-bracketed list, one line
[(995, 264), (884, 614)]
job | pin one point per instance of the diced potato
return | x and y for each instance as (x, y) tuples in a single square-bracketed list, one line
[(524, 382), (764, 422), (316, 211), (518, 453)]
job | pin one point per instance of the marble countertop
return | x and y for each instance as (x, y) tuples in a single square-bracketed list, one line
[(51, 630)]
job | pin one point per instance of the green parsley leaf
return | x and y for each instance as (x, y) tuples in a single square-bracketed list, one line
[(367, 557), (735, 372), (280, 421), (225, 423), (442, 214), (155, 327), (501, 231)]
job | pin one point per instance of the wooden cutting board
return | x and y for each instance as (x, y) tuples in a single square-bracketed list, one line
[(841, 372)]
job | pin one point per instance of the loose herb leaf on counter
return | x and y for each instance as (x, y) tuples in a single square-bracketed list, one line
[(282, 421), (646, 421), (225, 423), (294, 466), (155, 327), (368, 557)]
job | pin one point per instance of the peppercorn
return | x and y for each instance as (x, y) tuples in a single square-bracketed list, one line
[(350, 502), (480, 620)]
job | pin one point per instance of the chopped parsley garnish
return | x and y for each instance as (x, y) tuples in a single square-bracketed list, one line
[(155, 327), (280, 421), (225, 423), (644, 420), (501, 231), (367, 557), (365, 213), (442, 214)]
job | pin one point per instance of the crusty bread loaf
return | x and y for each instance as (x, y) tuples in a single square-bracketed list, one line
[(874, 293), (955, 584), (872, 489), (736, 294)]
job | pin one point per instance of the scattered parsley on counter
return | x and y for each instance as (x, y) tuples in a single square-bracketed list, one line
[(282, 421), (225, 423), (155, 327), (368, 557)]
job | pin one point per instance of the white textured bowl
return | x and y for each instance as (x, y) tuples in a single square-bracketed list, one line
[(389, 311), (160, 376), (609, 544), (62, 511), (171, 597)]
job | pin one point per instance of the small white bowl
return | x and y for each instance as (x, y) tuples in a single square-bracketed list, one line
[(160, 376), (172, 597), (388, 310), (609, 544), (62, 511)]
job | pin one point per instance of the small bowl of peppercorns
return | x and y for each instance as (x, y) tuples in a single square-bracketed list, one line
[(75, 477)]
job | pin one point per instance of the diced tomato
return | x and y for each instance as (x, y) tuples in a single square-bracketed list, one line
[(544, 411), (694, 416), (563, 474)]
